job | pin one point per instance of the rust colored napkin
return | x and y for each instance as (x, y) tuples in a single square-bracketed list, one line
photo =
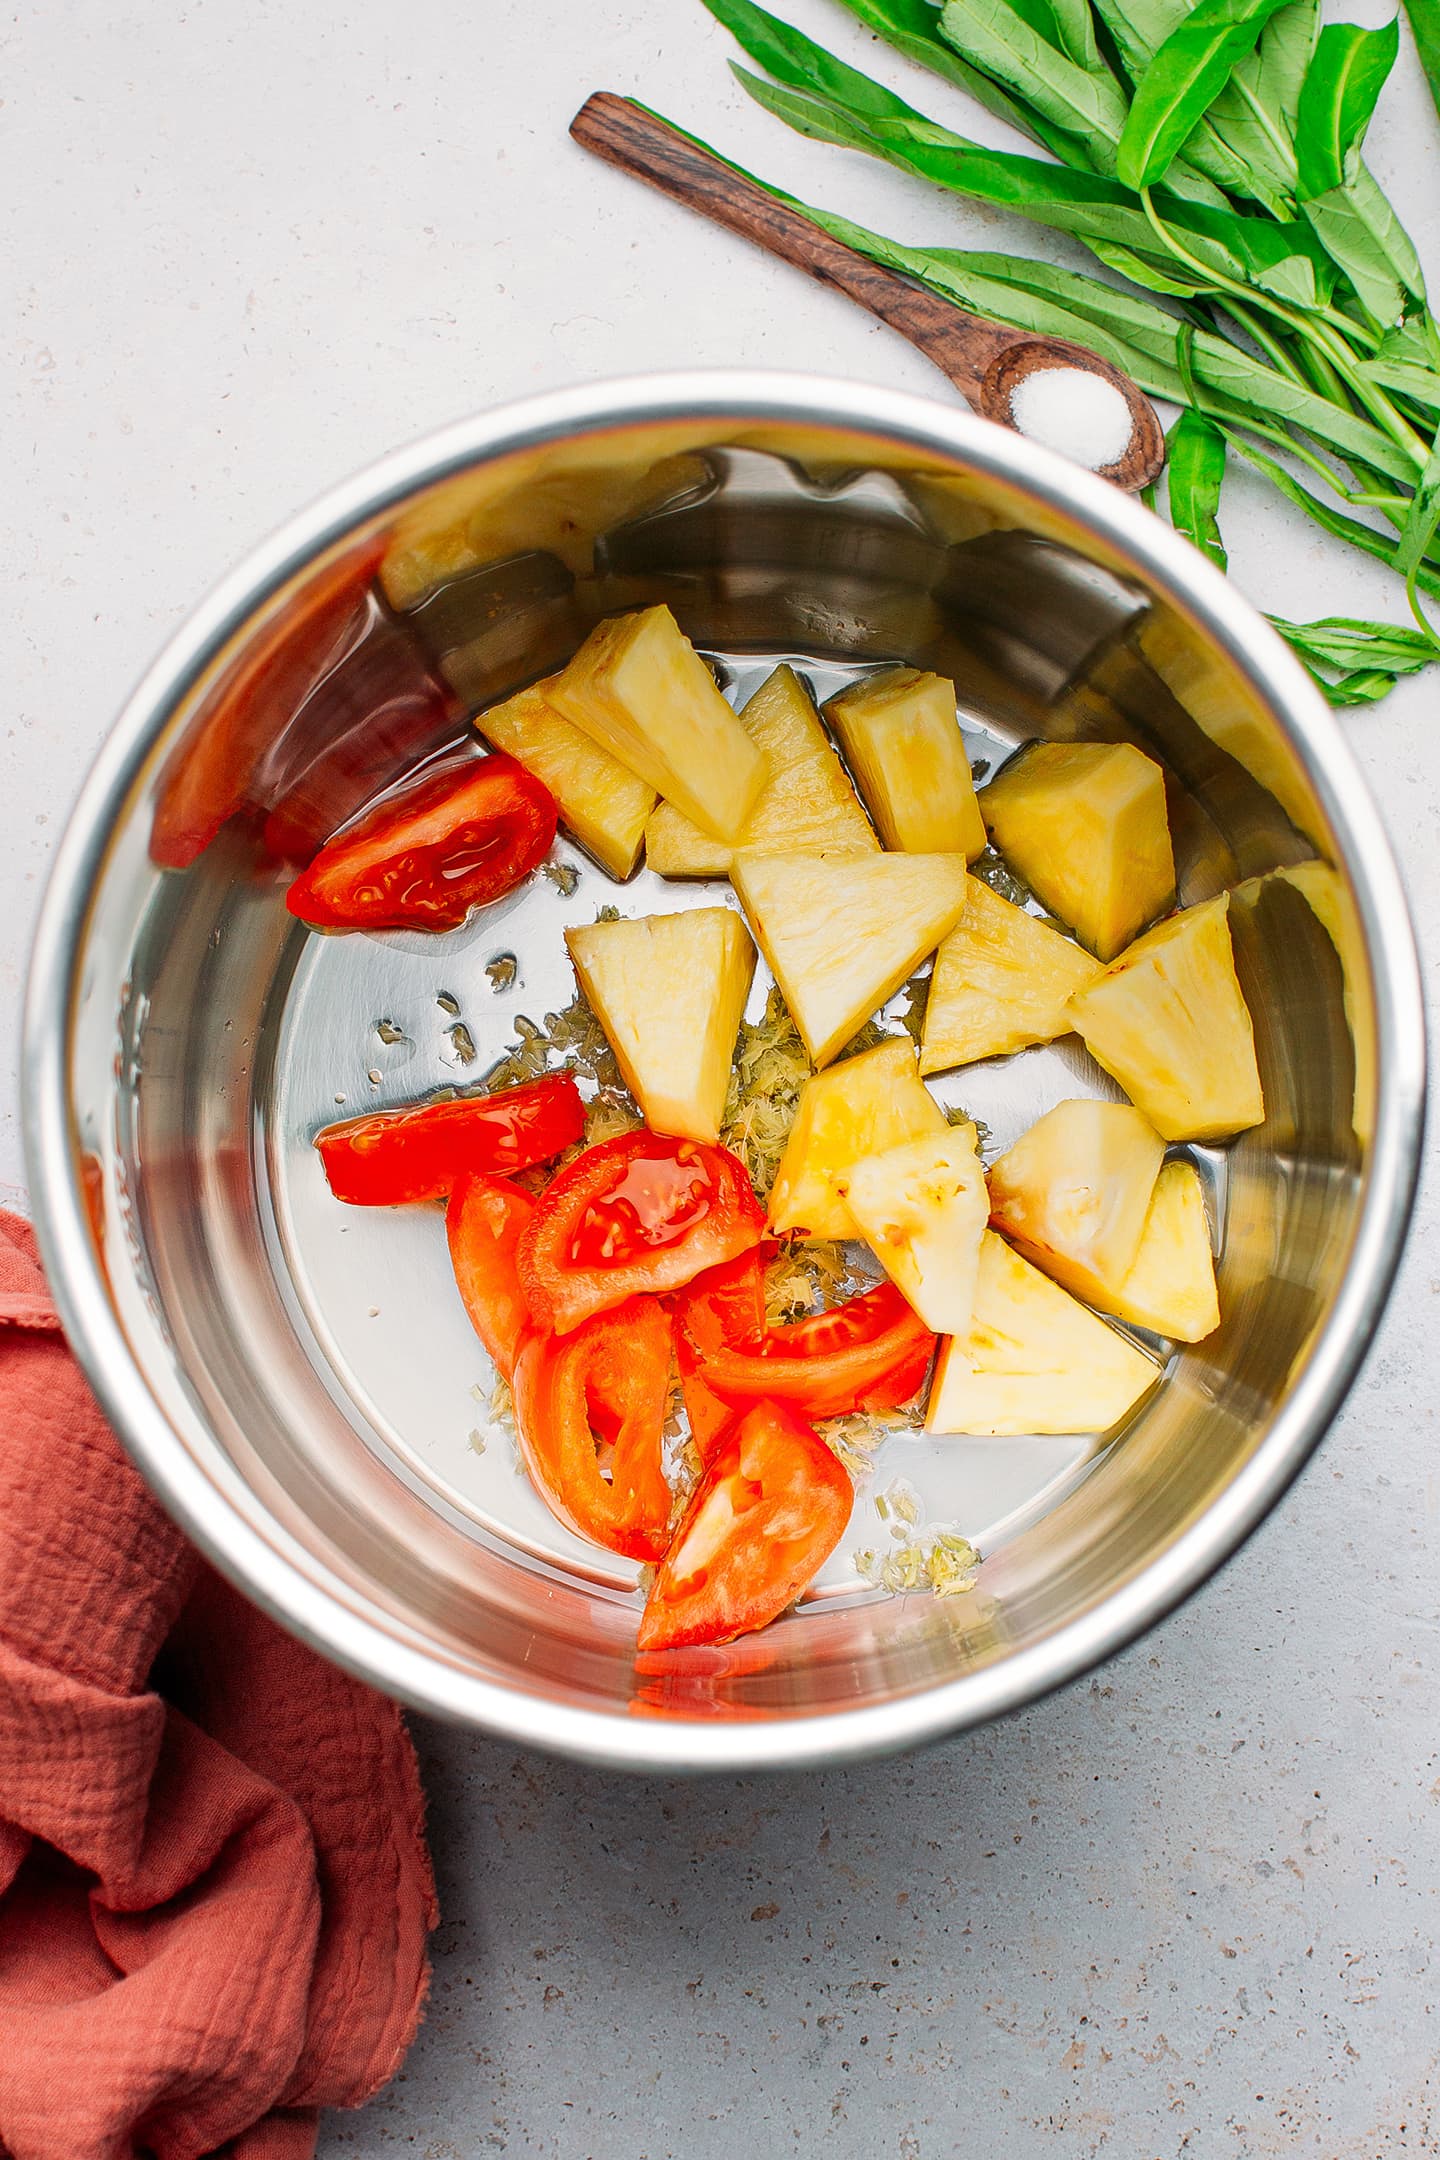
[(214, 1887)]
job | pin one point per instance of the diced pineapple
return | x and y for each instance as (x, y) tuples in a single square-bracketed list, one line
[(1034, 1360), (1084, 825), (861, 1107), (902, 738), (807, 800), (640, 689), (922, 1209), (842, 931), (1169, 1021), (602, 803), (1002, 980), (669, 991), (1171, 1287), (1074, 1191)]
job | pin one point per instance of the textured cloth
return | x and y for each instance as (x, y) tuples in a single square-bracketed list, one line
[(214, 1887)]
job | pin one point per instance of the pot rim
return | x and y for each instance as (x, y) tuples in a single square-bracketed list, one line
[(325, 1612)]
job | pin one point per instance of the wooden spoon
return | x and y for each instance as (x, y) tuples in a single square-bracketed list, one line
[(984, 360)]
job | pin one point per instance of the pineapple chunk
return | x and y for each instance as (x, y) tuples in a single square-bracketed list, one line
[(1034, 1360), (601, 803), (841, 931), (807, 801), (861, 1107), (1084, 825), (669, 991), (922, 1209), (640, 689), (1169, 1021), (1002, 980), (1171, 1287), (901, 736), (1074, 1191)]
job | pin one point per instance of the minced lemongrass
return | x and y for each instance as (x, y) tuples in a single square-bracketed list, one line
[(1074, 411)]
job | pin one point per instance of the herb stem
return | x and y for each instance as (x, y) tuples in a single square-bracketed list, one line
[(1316, 332)]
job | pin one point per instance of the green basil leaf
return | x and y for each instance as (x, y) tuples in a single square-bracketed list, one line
[(1237, 158), (793, 58), (911, 27), (1076, 29), (1390, 235), (1347, 238), (1132, 332), (1185, 76), (1282, 60), (1424, 516), (1341, 88), (1408, 360), (1424, 18), (1283, 259), (1333, 521), (992, 36), (1348, 641), (1196, 469)]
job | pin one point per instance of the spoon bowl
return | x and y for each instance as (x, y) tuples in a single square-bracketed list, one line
[(1143, 457)]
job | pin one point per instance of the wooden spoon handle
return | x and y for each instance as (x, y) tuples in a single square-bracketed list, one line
[(625, 134)]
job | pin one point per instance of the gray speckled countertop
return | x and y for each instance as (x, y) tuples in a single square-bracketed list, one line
[(1189, 1906)]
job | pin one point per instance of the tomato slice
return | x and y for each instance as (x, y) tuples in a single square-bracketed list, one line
[(641, 1213), (870, 1354), (483, 1222), (770, 1509), (421, 859), (734, 1298), (590, 1409), (394, 1157)]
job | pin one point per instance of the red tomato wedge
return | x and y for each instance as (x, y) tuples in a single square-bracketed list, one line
[(421, 859), (870, 1354), (392, 1158), (735, 1295), (770, 1509), (640, 1213), (483, 1222), (590, 1410)]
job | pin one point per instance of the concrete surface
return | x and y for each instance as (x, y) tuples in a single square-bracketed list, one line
[(1189, 1907)]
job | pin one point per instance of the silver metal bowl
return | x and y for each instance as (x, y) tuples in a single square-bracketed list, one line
[(297, 1380)]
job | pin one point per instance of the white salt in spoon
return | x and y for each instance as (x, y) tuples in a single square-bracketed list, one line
[(1046, 388)]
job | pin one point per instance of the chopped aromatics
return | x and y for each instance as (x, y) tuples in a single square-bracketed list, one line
[(858, 1108), (640, 689), (1002, 980), (843, 931), (768, 1512), (1085, 825), (922, 1208), (1034, 1360), (901, 735), (602, 804), (1171, 1287), (669, 991), (807, 801), (1168, 1019), (1074, 1191)]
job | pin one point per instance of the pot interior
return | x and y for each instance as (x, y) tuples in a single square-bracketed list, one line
[(314, 1362)]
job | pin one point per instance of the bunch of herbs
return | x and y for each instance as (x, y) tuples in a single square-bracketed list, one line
[(1211, 157)]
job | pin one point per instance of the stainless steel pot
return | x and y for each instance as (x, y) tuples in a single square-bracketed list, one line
[(297, 1387)]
